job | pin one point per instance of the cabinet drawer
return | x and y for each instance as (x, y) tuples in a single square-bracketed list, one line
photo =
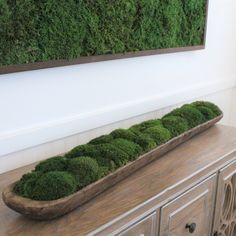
[(144, 227), (191, 213)]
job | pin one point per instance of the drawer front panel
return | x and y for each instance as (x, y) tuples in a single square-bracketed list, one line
[(191, 213), (145, 227)]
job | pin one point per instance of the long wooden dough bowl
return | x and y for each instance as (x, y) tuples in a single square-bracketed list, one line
[(46, 210)]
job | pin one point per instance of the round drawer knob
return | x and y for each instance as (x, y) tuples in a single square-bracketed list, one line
[(191, 227)]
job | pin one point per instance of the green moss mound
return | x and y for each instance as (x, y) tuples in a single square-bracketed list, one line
[(52, 164), (110, 156), (83, 150), (25, 186), (85, 169), (206, 112), (124, 134), (145, 142), (53, 185), (101, 139), (188, 112), (176, 125), (106, 154), (33, 31), (129, 147), (145, 125), (214, 108), (158, 134)]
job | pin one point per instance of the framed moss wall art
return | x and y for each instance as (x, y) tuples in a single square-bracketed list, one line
[(42, 34)]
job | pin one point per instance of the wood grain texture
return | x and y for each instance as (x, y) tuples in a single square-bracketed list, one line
[(47, 210), (159, 181), (193, 207)]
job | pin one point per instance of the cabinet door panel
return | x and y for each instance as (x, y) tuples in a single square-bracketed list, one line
[(191, 213), (225, 213)]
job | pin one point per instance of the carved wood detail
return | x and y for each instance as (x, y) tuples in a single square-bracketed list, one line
[(227, 203)]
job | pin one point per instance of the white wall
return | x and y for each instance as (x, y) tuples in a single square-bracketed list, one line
[(46, 105), (224, 98)]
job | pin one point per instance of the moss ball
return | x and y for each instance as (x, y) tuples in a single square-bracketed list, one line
[(85, 169), (206, 112), (145, 142), (188, 112), (25, 185), (158, 134), (124, 134), (111, 156), (54, 185), (129, 147), (175, 124), (146, 124), (135, 131), (83, 150), (214, 108), (102, 139), (52, 164), (19, 188)]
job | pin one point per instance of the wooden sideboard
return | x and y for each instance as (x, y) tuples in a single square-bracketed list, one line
[(189, 191)]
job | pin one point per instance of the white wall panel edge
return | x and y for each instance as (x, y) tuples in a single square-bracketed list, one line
[(42, 133)]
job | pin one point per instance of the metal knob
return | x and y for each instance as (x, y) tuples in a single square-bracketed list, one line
[(191, 227)]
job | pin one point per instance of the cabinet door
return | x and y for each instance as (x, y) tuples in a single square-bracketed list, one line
[(144, 227), (191, 213), (225, 213)]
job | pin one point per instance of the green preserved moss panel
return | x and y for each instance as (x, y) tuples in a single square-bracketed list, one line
[(33, 31), (62, 175)]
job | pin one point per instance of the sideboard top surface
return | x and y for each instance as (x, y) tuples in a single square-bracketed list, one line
[(177, 165)]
